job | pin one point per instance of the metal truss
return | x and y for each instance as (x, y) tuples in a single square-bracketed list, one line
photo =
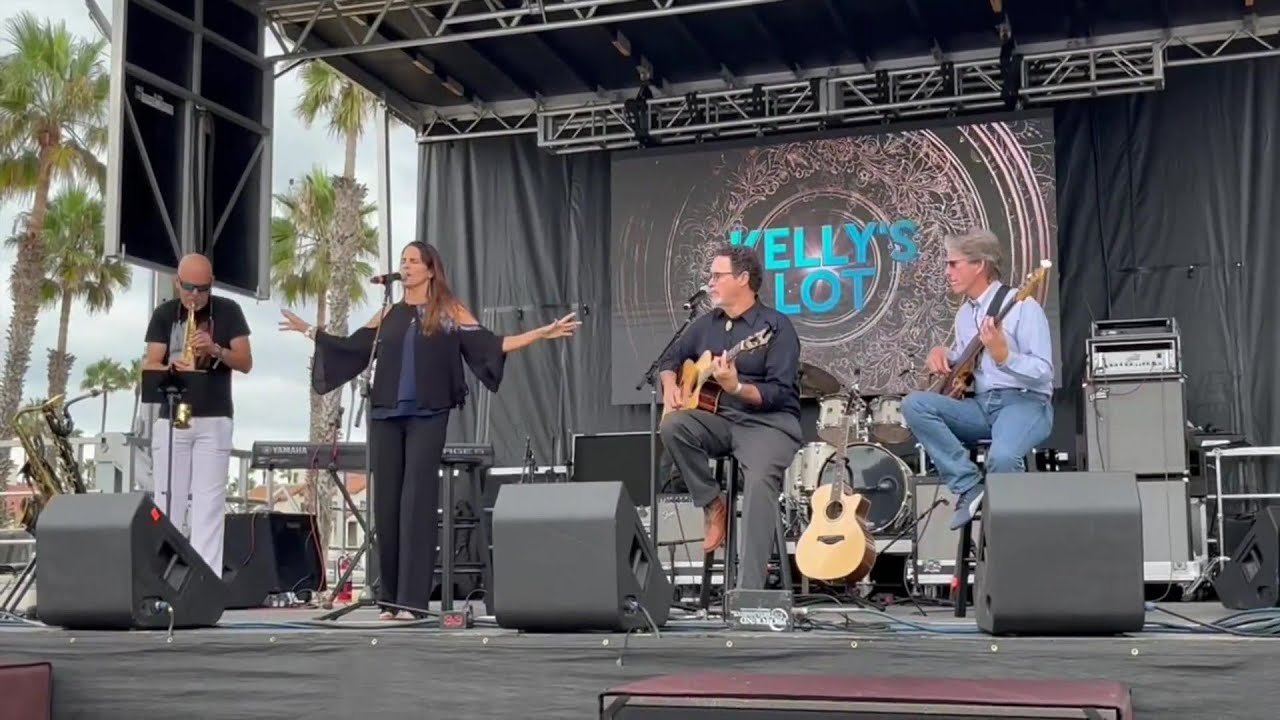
[(850, 99), (465, 20), (910, 89)]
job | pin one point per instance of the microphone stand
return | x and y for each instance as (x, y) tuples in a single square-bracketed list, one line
[(651, 379), (365, 411), (529, 470)]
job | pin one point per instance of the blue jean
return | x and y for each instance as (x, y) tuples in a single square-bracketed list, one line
[(1015, 421)]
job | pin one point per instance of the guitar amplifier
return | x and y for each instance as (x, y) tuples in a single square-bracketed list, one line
[(1136, 426)]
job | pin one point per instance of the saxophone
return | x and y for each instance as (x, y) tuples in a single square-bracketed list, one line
[(182, 419), (61, 427), (37, 471)]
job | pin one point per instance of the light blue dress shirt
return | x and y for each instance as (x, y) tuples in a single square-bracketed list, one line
[(1030, 362)]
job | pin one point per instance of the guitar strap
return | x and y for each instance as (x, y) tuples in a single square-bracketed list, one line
[(997, 302)]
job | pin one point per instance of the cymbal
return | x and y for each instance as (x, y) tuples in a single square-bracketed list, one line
[(816, 382)]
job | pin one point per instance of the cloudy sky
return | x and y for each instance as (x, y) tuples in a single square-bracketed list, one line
[(271, 402)]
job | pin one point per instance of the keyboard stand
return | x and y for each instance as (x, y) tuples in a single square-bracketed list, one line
[(370, 538)]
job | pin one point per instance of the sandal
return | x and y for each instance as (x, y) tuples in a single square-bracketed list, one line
[(386, 615)]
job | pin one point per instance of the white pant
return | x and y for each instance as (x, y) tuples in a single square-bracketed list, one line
[(202, 460)]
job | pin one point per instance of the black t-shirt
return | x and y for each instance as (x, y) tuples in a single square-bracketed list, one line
[(223, 319)]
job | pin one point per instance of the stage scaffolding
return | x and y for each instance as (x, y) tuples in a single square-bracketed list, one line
[(655, 111)]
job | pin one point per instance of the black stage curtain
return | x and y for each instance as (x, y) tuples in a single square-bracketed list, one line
[(525, 236), (1167, 206)]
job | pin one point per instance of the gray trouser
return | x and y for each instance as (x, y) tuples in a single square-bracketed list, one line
[(764, 445)]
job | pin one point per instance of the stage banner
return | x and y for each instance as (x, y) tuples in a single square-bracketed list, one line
[(849, 229)]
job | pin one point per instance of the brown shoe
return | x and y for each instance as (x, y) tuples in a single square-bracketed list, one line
[(717, 514)]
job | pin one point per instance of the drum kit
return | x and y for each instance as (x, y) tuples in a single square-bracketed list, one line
[(874, 471)]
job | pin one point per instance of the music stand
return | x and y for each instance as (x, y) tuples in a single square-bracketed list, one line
[(169, 387)]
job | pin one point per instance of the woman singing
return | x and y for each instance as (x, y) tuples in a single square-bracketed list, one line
[(422, 343)]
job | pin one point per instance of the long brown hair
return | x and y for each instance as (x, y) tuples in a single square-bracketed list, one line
[(440, 298)]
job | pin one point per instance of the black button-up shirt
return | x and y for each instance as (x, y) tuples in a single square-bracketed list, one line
[(773, 369)]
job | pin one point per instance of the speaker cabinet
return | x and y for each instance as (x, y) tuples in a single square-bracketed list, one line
[(715, 696), (1252, 579), (1060, 554), (269, 553), (115, 562), (1138, 426), (572, 557)]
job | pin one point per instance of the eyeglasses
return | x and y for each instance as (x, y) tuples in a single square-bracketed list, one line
[(192, 287)]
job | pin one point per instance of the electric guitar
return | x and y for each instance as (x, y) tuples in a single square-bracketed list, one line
[(957, 383), (701, 392), (837, 545)]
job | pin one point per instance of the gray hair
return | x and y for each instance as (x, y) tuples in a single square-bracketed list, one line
[(980, 245)]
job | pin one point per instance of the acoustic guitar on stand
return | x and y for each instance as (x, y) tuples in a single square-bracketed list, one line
[(837, 545), (700, 391), (957, 383)]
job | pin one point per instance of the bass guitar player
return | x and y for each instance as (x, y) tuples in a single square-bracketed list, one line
[(1003, 392), (749, 407)]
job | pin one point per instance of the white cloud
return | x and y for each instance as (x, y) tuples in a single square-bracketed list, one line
[(271, 402)]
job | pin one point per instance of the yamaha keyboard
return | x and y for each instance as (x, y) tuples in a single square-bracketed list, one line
[(349, 456)]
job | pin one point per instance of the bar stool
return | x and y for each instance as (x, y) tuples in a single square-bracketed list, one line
[(966, 549), (473, 472), (728, 475)]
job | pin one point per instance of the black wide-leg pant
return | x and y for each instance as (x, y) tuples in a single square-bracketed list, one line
[(405, 459)]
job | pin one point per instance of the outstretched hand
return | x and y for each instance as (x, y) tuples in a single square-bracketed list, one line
[(293, 323), (564, 327)]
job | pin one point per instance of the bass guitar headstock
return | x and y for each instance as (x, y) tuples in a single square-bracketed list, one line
[(1034, 280)]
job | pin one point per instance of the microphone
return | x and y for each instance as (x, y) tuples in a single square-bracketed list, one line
[(386, 279), (688, 304)]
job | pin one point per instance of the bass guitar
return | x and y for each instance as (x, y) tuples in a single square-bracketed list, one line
[(701, 392), (958, 382), (837, 545)]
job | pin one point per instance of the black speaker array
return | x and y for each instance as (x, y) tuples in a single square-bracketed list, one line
[(191, 110)]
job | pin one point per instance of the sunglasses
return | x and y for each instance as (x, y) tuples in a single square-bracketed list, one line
[(192, 287)]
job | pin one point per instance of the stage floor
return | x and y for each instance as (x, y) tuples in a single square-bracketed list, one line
[(275, 664)]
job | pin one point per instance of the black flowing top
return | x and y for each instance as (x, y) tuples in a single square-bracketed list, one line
[(438, 378)]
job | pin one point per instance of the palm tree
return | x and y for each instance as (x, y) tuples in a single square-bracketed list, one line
[(53, 93), (305, 268), (75, 269), (108, 376), (346, 108)]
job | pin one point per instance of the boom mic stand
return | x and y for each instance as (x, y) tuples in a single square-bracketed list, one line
[(651, 379)]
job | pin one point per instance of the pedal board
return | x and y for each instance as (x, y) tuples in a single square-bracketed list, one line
[(756, 610)]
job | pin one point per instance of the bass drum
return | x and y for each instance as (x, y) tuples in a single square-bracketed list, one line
[(880, 477)]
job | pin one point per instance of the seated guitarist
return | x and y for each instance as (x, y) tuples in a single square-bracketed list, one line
[(1013, 378), (758, 415)]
